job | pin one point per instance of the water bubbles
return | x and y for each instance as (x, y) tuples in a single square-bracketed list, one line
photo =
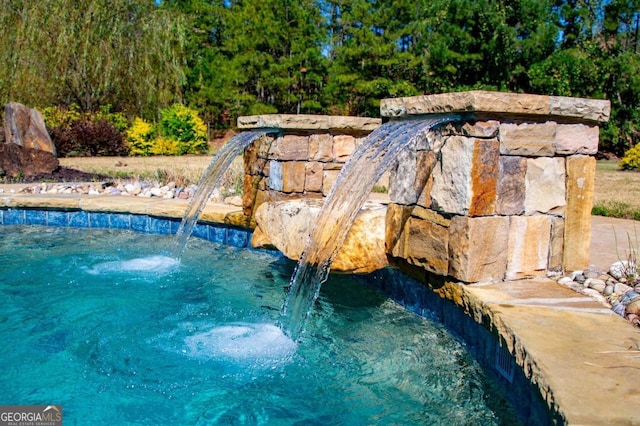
[(155, 264), (241, 342)]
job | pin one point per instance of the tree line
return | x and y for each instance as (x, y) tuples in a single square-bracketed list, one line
[(237, 57)]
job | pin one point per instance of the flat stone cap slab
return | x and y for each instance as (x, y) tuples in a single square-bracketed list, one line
[(499, 103), (303, 122)]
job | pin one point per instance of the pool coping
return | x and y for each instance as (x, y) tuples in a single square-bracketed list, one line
[(579, 355)]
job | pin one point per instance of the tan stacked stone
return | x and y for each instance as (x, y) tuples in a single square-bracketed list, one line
[(577, 230), (529, 245), (478, 248), (545, 190), (556, 245), (451, 192), (528, 139), (499, 104), (313, 177), (504, 193), (485, 172), (511, 185), (395, 229), (321, 147), (516, 189), (289, 148), (343, 147), (576, 139), (303, 161)]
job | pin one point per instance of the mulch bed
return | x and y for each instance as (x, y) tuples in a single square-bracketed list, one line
[(61, 174)]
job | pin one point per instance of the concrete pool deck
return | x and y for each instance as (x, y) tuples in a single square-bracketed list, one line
[(583, 358)]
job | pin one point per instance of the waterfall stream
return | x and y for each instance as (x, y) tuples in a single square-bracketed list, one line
[(375, 155), (209, 180)]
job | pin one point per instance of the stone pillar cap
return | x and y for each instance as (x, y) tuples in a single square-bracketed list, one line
[(480, 102), (304, 122)]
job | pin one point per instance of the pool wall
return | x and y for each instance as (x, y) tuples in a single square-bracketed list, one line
[(217, 233), (488, 349)]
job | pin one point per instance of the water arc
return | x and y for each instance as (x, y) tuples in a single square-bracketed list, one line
[(208, 182), (372, 158)]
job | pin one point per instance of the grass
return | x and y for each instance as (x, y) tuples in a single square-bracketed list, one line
[(617, 192), (183, 170)]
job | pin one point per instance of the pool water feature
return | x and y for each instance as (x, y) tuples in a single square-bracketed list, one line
[(209, 181), (371, 159), (195, 342)]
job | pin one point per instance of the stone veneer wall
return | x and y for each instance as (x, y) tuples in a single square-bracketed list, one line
[(303, 161), (508, 192)]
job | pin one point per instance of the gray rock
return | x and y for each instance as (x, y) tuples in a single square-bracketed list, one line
[(597, 285), (621, 288)]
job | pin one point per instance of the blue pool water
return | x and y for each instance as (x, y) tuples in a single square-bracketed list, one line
[(101, 323)]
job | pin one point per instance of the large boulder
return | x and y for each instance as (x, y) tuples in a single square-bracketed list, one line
[(25, 127), (27, 148), (16, 161), (285, 226)]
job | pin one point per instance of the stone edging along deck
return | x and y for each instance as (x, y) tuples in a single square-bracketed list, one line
[(583, 359)]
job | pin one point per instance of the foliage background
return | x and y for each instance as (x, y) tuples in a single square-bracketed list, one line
[(227, 58)]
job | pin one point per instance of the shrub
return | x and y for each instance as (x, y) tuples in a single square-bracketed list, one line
[(182, 124), (75, 133), (116, 119), (631, 159), (180, 131), (61, 138), (165, 146), (60, 117), (88, 138), (97, 138), (141, 137)]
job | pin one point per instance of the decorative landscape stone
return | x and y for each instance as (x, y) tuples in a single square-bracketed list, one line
[(499, 104), (285, 225), (27, 149), (304, 160), (525, 158), (581, 172), (522, 162), (302, 122), (25, 127)]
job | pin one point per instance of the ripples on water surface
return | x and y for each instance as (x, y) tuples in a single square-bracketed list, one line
[(100, 322)]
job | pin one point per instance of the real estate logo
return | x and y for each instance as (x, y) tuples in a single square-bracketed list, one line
[(30, 415)]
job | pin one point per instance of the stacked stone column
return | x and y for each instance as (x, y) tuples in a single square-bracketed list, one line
[(505, 194), (303, 161)]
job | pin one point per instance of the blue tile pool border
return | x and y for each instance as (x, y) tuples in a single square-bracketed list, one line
[(217, 233)]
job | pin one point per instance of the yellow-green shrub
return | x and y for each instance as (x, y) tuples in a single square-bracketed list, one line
[(631, 159), (56, 116), (141, 137), (182, 124), (165, 146)]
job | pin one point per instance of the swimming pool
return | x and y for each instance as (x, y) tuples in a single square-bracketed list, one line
[(97, 320)]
